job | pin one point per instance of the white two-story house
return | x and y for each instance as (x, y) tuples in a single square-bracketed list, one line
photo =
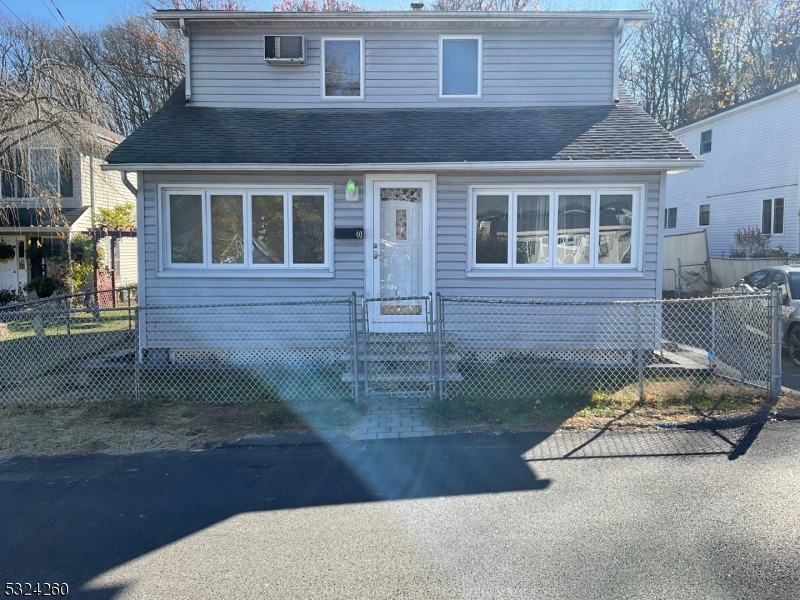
[(49, 193), (397, 154), (752, 165)]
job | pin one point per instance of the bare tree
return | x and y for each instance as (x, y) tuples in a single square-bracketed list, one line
[(49, 109)]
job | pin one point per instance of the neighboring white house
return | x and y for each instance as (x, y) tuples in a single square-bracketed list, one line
[(28, 222), (396, 154), (750, 176)]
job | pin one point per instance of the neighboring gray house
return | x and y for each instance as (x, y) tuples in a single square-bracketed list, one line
[(480, 154), (750, 177), (28, 222)]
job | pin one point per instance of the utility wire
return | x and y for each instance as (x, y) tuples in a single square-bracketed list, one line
[(83, 46)]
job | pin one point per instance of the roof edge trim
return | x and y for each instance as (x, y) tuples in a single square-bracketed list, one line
[(673, 165), (171, 18), (794, 89)]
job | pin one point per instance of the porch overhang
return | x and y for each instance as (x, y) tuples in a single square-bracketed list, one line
[(616, 166), (30, 220)]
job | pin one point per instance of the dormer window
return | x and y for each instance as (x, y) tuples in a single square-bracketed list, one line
[(460, 66), (343, 68)]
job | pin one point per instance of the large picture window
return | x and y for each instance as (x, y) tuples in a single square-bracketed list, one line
[(274, 230), (343, 68), (536, 229)]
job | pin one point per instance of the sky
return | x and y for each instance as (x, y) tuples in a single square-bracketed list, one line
[(91, 14)]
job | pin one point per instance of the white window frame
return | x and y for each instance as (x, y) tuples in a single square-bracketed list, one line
[(442, 39), (58, 168), (360, 40), (772, 215), (666, 217), (510, 268), (699, 212), (287, 269)]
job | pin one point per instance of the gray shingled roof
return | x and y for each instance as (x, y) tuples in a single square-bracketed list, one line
[(198, 135)]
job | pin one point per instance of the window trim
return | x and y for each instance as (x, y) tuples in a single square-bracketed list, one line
[(666, 217), (511, 268), (363, 68), (442, 38), (699, 213), (58, 168), (166, 268), (710, 142)]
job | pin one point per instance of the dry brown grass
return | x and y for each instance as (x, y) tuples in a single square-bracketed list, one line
[(123, 427)]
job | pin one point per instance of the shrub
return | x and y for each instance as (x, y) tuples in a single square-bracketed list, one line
[(7, 251), (43, 286)]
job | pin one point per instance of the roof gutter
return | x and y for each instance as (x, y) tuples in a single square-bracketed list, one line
[(187, 60), (672, 165)]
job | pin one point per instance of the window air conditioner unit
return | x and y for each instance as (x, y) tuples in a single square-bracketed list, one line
[(285, 49)]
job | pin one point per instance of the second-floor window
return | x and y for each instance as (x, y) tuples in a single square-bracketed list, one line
[(705, 141), (343, 68), (460, 66), (36, 172), (772, 216)]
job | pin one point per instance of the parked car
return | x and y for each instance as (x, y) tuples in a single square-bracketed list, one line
[(787, 279)]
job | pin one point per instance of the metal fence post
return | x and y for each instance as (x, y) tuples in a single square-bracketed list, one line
[(775, 349), (440, 342), (640, 357), (354, 325), (130, 315), (365, 328), (137, 367)]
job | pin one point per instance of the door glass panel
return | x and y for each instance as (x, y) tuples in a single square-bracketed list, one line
[(401, 250), (616, 227), (533, 229), (574, 227)]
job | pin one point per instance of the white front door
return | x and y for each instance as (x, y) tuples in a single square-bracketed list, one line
[(398, 252), (12, 272)]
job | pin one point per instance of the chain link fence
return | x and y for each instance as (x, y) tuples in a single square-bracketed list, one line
[(717, 355), (720, 352), (193, 353)]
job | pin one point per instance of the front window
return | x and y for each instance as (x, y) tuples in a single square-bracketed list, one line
[(530, 229), (772, 216), (270, 229), (704, 216), (343, 73), (43, 171), (460, 66)]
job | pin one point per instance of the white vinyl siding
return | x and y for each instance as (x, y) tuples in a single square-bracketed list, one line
[(755, 156), (521, 67)]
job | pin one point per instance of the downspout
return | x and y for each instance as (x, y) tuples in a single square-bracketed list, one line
[(127, 183), (187, 61), (615, 84)]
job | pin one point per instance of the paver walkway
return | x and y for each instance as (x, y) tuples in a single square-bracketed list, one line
[(393, 417)]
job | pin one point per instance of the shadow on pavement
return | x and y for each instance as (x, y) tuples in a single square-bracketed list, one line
[(69, 519), (732, 442)]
